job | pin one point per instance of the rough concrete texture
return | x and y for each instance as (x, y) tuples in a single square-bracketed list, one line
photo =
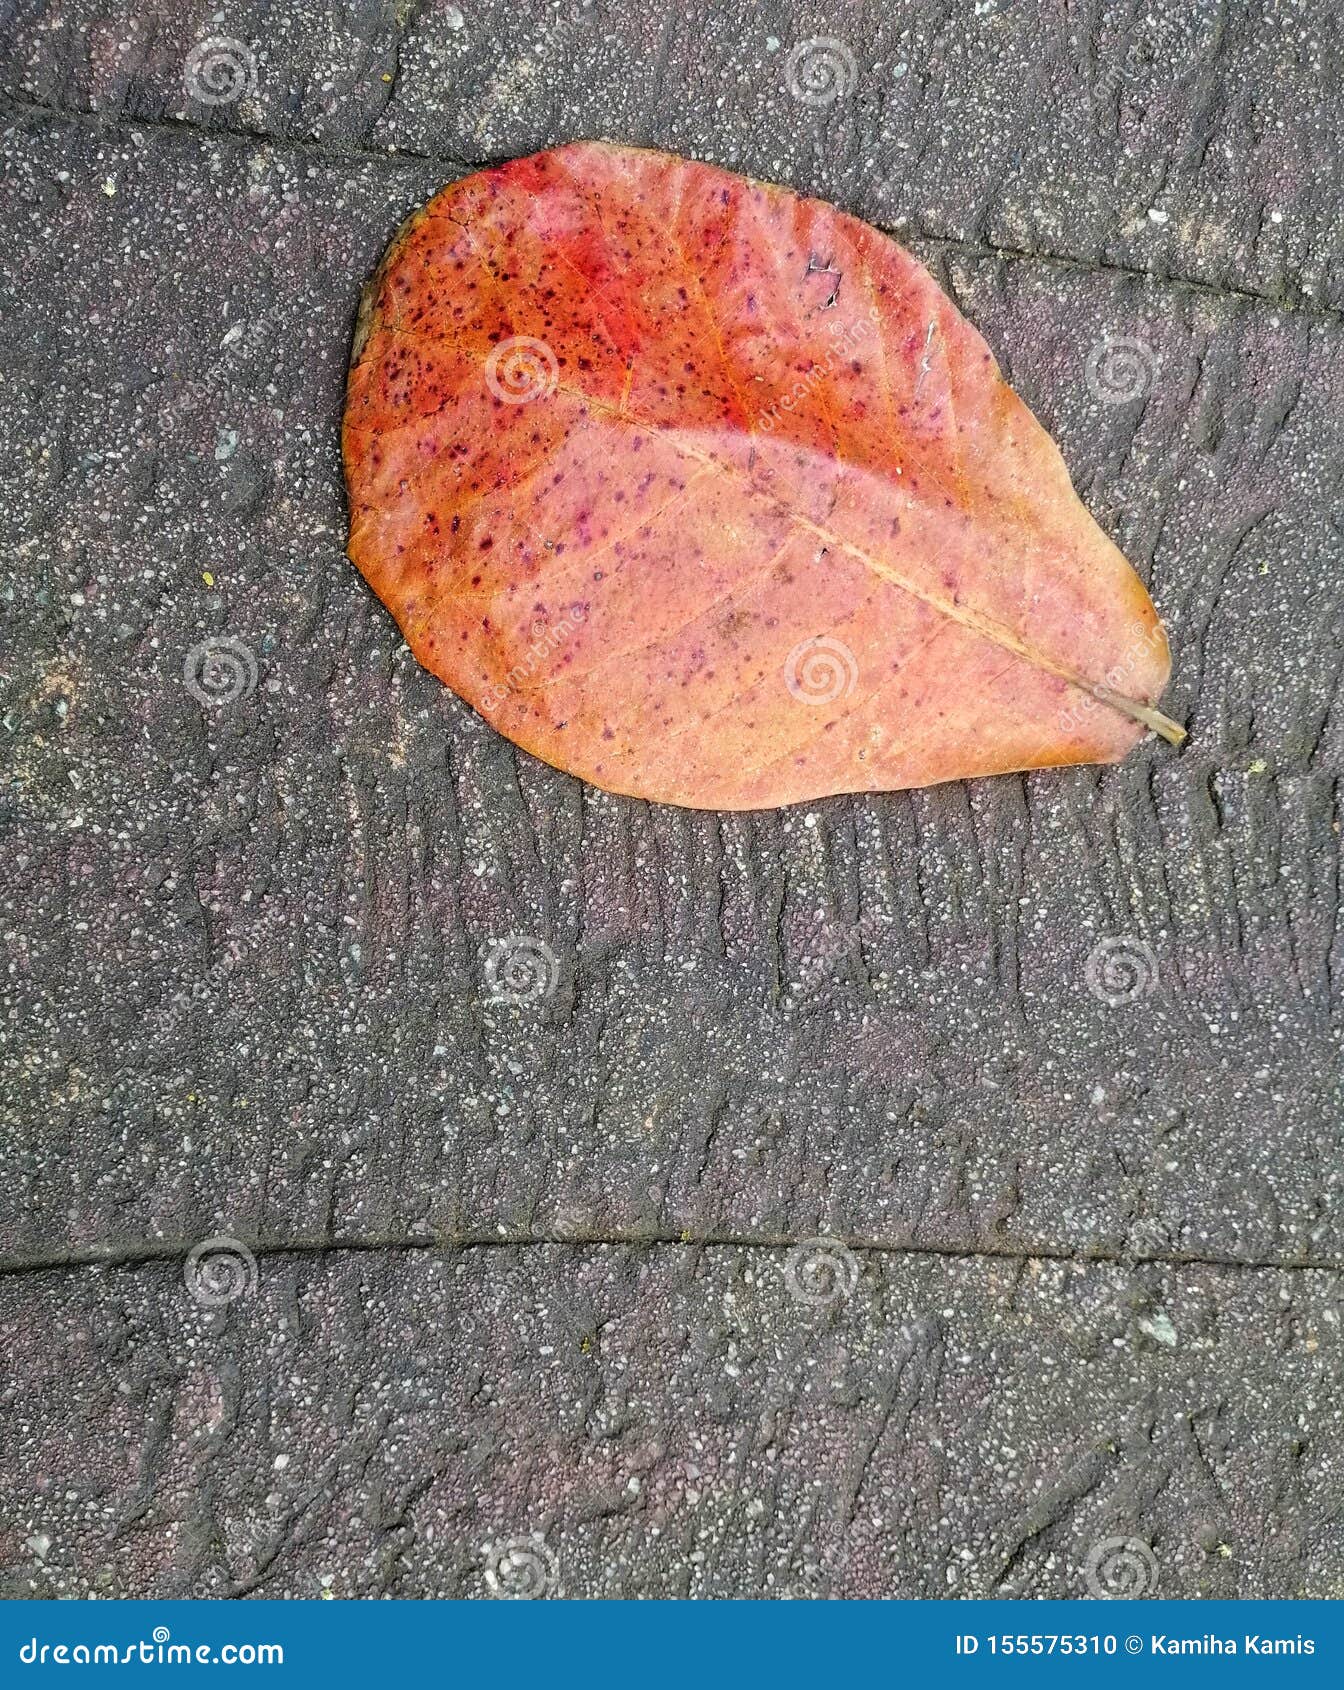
[(1024, 123), (673, 1422), (247, 943)]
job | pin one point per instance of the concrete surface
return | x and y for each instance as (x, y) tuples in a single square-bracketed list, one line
[(510, 1271)]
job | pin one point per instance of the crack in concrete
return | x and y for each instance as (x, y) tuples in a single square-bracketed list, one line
[(147, 1255), (183, 129), (1298, 304)]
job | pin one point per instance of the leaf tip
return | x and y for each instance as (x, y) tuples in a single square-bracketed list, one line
[(1172, 732)]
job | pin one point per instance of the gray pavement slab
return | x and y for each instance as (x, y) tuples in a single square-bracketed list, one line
[(1058, 1054), (252, 938), (673, 1422), (1195, 138)]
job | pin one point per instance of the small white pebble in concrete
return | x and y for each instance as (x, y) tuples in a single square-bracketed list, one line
[(1160, 1329)]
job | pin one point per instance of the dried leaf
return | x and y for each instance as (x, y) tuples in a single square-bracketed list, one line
[(707, 493)]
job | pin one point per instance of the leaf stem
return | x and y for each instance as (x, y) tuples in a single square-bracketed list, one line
[(1171, 731)]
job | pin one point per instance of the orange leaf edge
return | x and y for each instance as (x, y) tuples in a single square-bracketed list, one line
[(1145, 715)]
